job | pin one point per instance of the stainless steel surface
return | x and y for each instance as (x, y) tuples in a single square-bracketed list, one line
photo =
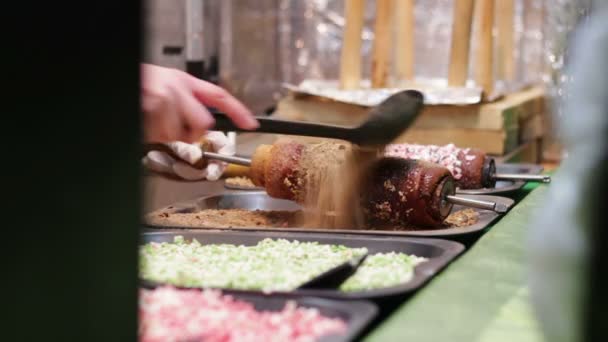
[(249, 51), (164, 27), (261, 201), (238, 200), (523, 177), (228, 159), (505, 186), (478, 204), (194, 30), (160, 191), (191, 25)]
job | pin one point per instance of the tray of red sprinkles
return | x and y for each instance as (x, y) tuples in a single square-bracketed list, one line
[(170, 314)]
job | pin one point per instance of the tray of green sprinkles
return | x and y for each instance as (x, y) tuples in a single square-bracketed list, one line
[(278, 263)]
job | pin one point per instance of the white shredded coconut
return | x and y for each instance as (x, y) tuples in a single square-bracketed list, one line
[(446, 156)]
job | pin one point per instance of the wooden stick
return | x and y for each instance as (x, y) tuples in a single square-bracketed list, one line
[(505, 14), (404, 45), (382, 43), (461, 43), (484, 59), (350, 61)]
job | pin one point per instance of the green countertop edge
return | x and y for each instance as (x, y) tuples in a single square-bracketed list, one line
[(465, 301)]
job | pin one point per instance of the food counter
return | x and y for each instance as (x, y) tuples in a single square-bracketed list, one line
[(462, 304), (466, 306)]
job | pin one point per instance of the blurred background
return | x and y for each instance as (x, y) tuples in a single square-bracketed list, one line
[(283, 58), (72, 261), (254, 48)]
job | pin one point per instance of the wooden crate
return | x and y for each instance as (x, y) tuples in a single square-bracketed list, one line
[(497, 127)]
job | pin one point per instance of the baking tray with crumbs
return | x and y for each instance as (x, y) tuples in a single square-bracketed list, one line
[(241, 183), (259, 212), (439, 253)]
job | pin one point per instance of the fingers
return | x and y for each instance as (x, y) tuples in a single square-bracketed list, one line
[(196, 118), (212, 95), (174, 102), (160, 120)]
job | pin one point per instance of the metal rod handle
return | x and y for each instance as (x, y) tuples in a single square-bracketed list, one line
[(228, 159), (531, 178), (487, 205)]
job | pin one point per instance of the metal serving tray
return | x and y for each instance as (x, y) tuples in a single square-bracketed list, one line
[(357, 314), (439, 252), (240, 187), (505, 187), (261, 201)]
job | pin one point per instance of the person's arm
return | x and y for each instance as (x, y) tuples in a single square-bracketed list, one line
[(173, 103)]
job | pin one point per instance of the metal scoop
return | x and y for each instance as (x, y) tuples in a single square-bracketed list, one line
[(386, 122)]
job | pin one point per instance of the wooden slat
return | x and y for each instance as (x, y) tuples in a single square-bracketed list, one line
[(404, 44), (505, 15), (484, 56), (350, 61), (382, 43), (461, 42)]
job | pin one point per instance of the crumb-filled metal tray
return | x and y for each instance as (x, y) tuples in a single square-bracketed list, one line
[(241, 183), (252, 201), (438, 252), (506, 186), (242, 187)]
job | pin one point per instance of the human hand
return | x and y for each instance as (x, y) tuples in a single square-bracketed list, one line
[(185, 161), (174, 103)]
